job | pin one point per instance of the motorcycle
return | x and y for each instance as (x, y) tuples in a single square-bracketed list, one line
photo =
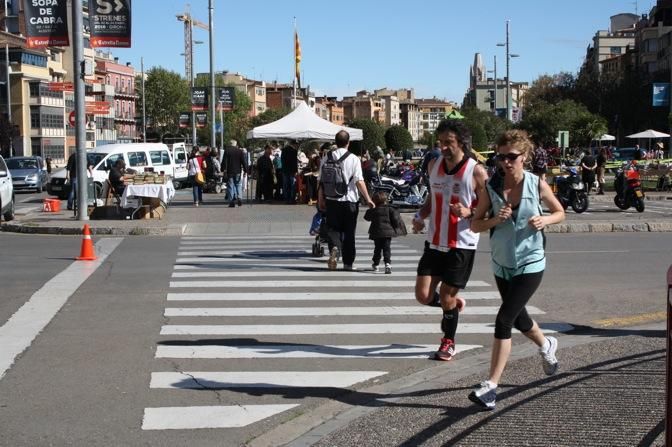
[(628, 186), (571, 191), (407, 191)]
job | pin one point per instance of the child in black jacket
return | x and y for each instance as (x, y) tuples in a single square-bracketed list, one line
[(386, 223)]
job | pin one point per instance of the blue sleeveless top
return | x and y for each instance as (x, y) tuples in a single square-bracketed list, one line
[(517, 248)]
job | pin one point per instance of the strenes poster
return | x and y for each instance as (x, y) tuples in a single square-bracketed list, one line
[(46, 23), (110, 22)]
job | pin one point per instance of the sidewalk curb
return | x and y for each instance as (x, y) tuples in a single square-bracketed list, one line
[(306, 429), (29, 228)]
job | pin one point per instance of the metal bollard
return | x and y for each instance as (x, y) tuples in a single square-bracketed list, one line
[(668, 375)]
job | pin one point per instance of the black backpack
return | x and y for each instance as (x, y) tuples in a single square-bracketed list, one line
[(333, 181)]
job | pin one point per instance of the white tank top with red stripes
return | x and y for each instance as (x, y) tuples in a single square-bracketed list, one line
[(446, 230)]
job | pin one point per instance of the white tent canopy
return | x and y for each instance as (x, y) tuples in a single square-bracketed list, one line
[(605, 137), (302, 124), (650, 133)]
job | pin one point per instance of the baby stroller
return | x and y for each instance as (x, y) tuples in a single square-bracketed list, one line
[(318, 228)]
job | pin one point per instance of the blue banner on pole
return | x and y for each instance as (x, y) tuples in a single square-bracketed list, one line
[(661, 94)]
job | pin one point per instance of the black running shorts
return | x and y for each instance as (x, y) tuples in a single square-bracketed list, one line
[(453, 267)]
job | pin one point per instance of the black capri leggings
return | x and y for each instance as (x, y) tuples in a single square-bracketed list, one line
[(515, 294)]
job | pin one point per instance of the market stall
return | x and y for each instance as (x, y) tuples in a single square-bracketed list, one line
[(153, 191)]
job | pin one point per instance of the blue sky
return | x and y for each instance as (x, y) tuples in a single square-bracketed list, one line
[(366, 44)]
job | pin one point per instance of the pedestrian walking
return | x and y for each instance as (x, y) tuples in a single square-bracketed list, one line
[(71, 175), (588, 167), (510, 209), (236, 164), (193, 171), (341, 183), (265, 175), (540, 162), (290, 167), (386, 224), (601, 162), (454, 177)]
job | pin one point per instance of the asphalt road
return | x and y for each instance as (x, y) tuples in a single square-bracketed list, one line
[(116, 366)]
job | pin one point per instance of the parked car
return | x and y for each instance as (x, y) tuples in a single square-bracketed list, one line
[(6, 192), (28, 173)]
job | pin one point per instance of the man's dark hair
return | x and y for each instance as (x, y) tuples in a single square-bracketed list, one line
[(461, 132), (342, 138)]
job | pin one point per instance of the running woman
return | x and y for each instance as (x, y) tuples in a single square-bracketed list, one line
[(511, 210)]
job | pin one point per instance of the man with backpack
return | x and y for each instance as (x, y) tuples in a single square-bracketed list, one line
[(341, 182)]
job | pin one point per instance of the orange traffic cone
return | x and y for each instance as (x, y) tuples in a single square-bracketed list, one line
[(87, 253)]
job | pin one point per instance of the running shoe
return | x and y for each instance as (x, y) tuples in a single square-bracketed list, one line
[(333, 259), (446, 350), (485, 396), (374, 267), (388, 269), (349, 268), (548, 359)]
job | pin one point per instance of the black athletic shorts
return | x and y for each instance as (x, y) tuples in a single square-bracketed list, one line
[(453, 267)]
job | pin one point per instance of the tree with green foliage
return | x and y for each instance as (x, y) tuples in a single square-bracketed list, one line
[(545, 120), (373, 134), (166, 95), (484, 126), (398, 138), (427, 139)]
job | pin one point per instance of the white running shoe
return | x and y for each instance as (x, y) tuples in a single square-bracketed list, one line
[(549, 361)]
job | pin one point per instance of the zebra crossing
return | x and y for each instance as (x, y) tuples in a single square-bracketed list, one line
[(246, 316)]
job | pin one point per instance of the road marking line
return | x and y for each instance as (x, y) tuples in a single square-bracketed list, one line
[(629, 321), (202, 380), (252, 238), (319, 265), (325, 311), (17, 334), (295, 351), (297, 283), (251, 258), (314, 296), (323, 273), (225, 416), (265, 252), (557, 252), (341, 329)]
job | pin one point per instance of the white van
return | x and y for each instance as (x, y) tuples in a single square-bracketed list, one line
[(179, 152), (138, 156)]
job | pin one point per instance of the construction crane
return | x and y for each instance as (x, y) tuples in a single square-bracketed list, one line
[(189, 23)]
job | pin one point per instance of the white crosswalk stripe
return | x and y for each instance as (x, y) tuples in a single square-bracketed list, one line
[(296, 351), (324, 311), (261, 297), (312, 329), (243, 275)]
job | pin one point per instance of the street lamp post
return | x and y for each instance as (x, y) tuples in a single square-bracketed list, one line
[(494, 75), (508, 79), (211, 17)]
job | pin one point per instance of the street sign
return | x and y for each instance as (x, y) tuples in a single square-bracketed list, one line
[(110, 22), (199, 99), (46, 23), (563, 139), (71, 119), (201, 119), (184, 120), (97, 107), (226, 99), (61, 87)]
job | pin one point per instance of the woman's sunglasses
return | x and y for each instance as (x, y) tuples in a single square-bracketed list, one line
[(510, 156)]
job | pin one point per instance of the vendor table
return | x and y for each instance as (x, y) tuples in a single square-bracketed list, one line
[(154, 198)]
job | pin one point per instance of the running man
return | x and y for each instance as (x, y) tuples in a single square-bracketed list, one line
[(455, 180)]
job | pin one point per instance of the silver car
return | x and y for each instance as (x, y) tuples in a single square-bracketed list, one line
[(28, 173)]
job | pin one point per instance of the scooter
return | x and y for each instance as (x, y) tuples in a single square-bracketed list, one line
[(571, 191), (628, 186)]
